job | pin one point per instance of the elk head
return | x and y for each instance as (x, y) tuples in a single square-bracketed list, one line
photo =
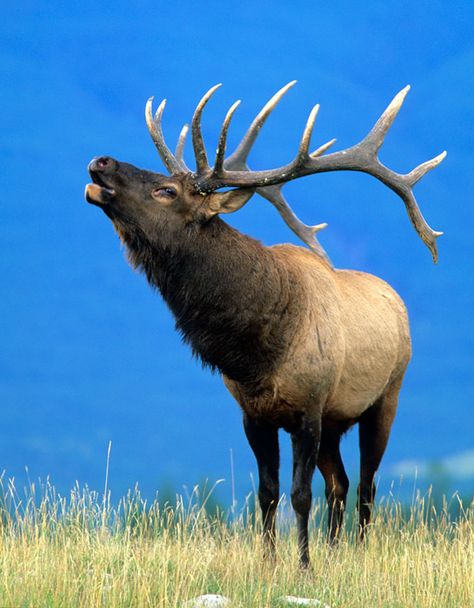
[(150, 201), (153, 204)]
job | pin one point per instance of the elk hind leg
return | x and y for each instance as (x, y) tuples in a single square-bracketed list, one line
[(374, 431), (337, 483)]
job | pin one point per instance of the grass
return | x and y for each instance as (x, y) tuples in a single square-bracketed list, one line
[(83, 552)]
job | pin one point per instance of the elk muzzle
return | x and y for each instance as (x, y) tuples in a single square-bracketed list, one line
[(100, 170)]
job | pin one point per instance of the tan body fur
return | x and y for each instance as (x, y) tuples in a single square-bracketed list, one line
[(349, 346)]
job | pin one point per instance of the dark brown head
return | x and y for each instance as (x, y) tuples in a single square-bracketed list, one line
[(153, 203)]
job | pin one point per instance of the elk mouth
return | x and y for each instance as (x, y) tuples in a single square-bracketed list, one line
[(98, 193)]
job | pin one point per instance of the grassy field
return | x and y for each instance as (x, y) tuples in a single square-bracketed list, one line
[(83, 552)]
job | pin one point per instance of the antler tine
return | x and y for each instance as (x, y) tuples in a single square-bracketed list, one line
[(241, 153), (221, 146), (322, 149), (426, 233), (154, 126), (306, 233), (418, 172), (378, 132), (179, 153), (302, 155), (202, 165)]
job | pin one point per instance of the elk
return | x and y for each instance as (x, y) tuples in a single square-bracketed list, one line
[(300, 345)]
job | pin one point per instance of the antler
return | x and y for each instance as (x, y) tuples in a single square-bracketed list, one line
[(172, 163), (361, 157), (238, 162), (180, 147)]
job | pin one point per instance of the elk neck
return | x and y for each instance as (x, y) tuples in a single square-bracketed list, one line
[(229, 294)]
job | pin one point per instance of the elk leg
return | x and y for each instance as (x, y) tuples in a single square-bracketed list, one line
[(305, 444), (374, 431), (337, 484), (263, 439)]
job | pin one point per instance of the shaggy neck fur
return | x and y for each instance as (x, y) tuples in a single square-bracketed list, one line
[(227, 292)]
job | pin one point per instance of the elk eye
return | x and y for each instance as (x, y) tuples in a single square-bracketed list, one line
[(167, 192)]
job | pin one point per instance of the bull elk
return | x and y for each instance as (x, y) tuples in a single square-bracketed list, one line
[(300, 345)]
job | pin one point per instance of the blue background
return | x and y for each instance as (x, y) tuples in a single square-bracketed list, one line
[(89, 353)]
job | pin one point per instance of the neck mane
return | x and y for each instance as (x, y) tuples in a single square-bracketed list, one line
[(227, 292)]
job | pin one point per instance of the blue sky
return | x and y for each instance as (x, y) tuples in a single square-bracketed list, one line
[(89, 353)]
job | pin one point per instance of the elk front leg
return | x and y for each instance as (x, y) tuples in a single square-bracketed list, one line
[(263, 439), (305, 444)]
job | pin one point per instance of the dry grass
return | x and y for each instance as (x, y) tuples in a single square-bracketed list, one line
[(82, 552)]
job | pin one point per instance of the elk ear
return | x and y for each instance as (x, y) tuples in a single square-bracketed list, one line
[(228, 202)]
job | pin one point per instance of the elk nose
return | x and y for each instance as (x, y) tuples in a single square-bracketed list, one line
[(101, 163)]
